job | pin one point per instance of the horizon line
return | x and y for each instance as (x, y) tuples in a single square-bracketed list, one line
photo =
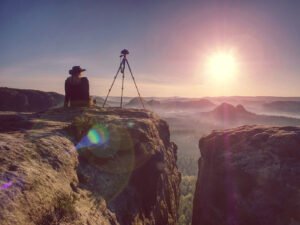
[(175, 96)]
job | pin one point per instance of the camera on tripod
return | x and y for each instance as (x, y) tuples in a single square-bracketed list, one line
[(124, 52), (121, 69)]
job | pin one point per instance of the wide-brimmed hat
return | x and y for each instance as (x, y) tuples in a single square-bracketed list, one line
[(76, 69)]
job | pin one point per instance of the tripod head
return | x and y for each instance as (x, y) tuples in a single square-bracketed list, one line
[(124, 52)]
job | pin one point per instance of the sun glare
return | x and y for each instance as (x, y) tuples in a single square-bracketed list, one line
[(221, 65)]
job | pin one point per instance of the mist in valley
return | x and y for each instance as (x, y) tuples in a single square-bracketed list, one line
[(190, 119)]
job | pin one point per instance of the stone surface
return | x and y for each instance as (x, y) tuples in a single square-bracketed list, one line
[(249, 175), (87, 166)]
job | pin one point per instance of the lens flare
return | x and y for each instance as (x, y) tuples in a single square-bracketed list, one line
[(97, 136), (94, 136)]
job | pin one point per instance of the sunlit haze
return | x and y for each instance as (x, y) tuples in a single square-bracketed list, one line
[(177, 48)]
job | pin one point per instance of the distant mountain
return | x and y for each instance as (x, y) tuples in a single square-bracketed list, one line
[(99, 100), (135, 102), (283, 106), (112, 101), (188, 104), (228, 114), (239, 99), (172, 104), (255, 103), (21, 100), (154, 103)]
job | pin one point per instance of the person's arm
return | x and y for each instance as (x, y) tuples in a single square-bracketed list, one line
[(67, 94)]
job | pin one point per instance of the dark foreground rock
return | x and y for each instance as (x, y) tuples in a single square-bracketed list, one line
[(88, 166), (249, 176), (20, 100)]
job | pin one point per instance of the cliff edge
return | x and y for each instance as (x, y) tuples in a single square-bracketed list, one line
[(249, 175), (87, 166)]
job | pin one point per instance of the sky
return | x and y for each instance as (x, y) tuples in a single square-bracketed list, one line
[(170, 42)]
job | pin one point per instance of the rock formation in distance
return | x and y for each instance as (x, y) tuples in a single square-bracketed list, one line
[(21, 100)]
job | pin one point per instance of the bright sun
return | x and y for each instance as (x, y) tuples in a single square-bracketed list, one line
[(221, 65)]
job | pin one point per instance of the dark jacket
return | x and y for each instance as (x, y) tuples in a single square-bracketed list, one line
[(77, 94)]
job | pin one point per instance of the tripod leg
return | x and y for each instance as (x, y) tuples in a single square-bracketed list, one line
[(112, 84), (123, 76), (141, 100)]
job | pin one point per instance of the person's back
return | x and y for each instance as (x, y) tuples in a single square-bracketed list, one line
[(77, 89)]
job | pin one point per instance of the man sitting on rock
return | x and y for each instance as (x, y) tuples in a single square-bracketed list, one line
[(77, 89)]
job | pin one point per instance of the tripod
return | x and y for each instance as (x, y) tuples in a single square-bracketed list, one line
[(121, 69)]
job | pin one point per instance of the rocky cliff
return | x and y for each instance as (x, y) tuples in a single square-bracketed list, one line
[(87, 166), (20, 100), (249, 176)]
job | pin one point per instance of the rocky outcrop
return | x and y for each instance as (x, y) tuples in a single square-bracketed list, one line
[(249, 176), (20, 100), (88, 166)]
